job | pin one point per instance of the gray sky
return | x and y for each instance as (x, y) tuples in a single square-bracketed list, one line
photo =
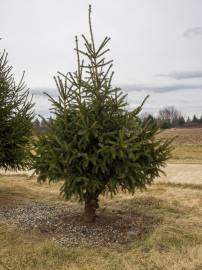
[(156, 46)]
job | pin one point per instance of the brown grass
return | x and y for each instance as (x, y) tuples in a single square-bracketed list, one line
[(174, 243), (190, 136), (187, 146)]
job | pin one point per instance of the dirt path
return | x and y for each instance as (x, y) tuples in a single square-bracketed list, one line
[(183, 173), (177, 173)]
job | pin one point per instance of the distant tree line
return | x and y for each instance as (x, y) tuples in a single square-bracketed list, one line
[(170, 117), (39, 125)]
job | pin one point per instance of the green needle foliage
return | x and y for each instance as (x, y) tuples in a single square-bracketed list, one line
[(15, 118), (93, 143)]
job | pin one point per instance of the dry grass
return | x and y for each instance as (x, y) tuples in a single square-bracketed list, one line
[(187, 146), (174, 243), (188, 136)]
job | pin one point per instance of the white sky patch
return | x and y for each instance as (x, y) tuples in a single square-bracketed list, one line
[(193, 32), (148, 38)]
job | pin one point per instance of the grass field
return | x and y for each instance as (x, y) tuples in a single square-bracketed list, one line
[(160, 228), (169, 230), (187, 146)]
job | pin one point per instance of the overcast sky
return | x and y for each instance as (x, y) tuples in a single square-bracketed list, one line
[(156, 46)]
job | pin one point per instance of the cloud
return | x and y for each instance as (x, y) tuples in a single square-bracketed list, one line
[(193, 32), (40, 91), (160, 89), (182, 75)]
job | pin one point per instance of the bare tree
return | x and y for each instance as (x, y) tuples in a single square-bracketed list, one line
[(169, 113)]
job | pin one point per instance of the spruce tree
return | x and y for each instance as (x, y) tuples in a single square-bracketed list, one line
[(93, 143), (15, 118)]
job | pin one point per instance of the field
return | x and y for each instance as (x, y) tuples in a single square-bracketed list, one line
[(160, 228), (187, 146)]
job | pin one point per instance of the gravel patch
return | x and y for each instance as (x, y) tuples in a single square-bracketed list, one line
[(67, 227)]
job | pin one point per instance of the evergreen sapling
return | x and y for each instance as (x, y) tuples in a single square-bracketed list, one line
[(16, 114), (93, 143)]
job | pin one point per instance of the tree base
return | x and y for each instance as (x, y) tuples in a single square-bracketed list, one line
[(91, 205)]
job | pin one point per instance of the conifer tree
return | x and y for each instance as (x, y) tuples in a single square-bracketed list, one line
[(15, 118), (93, 143)]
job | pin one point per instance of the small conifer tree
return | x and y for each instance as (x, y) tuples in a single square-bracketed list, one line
[(15, 118), (93, 143)]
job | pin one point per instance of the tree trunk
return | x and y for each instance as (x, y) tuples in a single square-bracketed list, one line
[(91, 205)]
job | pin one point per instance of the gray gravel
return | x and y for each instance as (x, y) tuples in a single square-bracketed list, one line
[(67, 228)]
